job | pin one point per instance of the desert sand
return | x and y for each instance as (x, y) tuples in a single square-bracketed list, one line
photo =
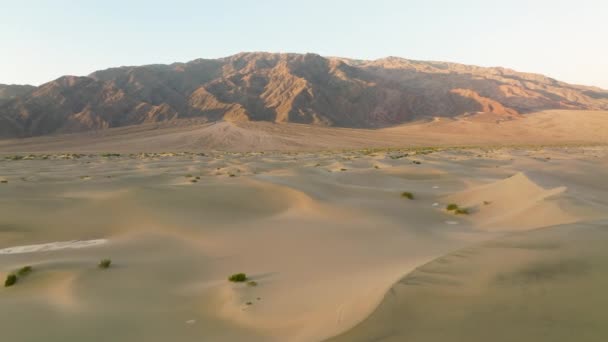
[(337, 252), (324, 235), (555, 127)]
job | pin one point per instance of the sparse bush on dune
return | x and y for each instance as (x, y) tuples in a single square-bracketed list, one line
[(451, 207), (407, 195), (461, 211), (238, 278), (457, 210), (11, 280), (105, 263), (23, 271)]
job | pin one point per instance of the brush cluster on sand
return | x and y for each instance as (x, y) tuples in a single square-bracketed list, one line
[(408, 195), (105, 263), (238, 278), (456, 209), (12, 278)]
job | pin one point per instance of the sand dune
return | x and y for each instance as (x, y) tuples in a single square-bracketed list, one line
[(325, 235), (512, 204), (538, 286)]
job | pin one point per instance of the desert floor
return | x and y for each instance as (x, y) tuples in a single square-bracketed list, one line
[(335, 249)]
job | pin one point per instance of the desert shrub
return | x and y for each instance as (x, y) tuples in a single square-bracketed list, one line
[(416, 162), (105, 263), (252, 283), (188, 176), (107, 155), (407, 195), (342, 169), (11, 280), (238, 278), (23, 271), (461, 211), (193, 181), (452, 206), (4, 181)]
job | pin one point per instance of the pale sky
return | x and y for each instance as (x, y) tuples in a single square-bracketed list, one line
[(43, 40)]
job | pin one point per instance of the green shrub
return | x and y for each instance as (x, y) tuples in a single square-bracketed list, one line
[(105, 263), (238, 278), (252, 283), (461, 211), (23, 271), (407, 195), (452, 206), (11, 280)]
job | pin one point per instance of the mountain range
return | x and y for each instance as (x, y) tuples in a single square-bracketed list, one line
[(283, 88)]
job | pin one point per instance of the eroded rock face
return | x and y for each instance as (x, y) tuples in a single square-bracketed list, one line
[(283, 88)]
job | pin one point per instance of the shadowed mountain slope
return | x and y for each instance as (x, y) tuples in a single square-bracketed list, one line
[(291, 88)]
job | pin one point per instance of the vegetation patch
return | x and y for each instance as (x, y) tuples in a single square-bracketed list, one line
[(462, 211), (23, 271), (105, 263), (457, 210), (407, 195), (238, 278), (452, 207), (11, 280)]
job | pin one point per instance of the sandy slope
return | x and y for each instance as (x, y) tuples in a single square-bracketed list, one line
[(551, 127), (325, 236)]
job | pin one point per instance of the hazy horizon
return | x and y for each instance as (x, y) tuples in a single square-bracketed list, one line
[(47, 40)]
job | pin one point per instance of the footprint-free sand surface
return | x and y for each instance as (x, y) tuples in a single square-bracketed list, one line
[(336, 251)]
